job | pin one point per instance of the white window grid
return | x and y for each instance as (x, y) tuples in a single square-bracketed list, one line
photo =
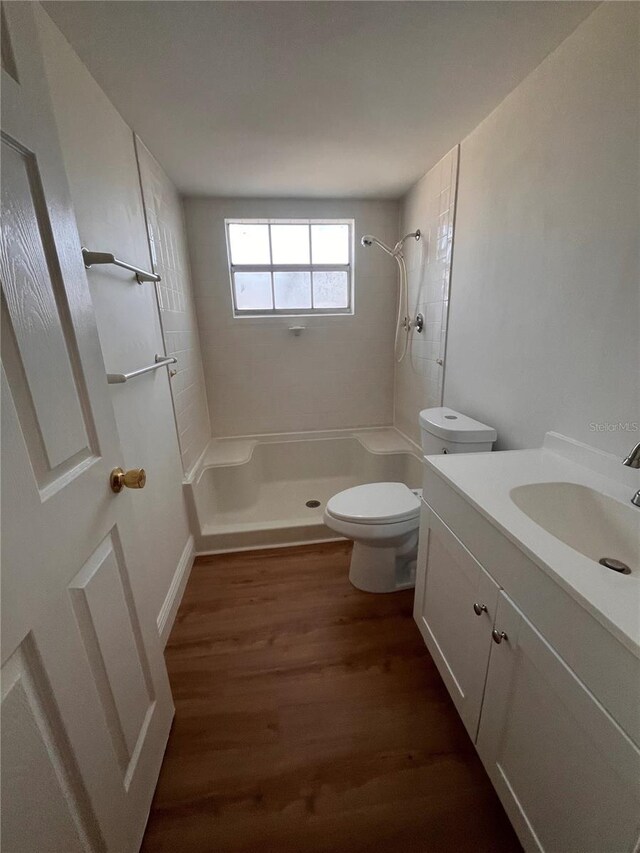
[(311, 268)]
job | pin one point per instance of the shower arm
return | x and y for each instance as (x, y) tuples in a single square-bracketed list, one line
[(398, 246)]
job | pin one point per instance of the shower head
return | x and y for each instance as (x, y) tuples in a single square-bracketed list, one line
[(369, 240)]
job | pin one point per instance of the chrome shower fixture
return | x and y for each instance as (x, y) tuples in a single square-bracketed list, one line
[(416, 236), (369, 240), (403, 289)]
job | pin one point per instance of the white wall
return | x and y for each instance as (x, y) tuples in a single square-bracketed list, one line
[(429, 206), (167, 238), (260, 378), (101, 166), (543, 326), (544, 316)]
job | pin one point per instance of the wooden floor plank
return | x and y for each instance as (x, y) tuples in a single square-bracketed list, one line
[(311, 718)]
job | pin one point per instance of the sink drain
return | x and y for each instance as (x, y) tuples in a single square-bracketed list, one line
[(616, 565), (312, 504)]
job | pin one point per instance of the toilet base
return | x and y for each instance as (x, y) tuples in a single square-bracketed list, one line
[(383, 569)]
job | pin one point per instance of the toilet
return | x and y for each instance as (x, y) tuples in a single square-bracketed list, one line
[(383, 518)]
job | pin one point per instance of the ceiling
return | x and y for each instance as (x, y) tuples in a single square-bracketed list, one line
[(300, 99)]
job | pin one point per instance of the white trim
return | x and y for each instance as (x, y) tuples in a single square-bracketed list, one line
[(169, 608), (297, 544)]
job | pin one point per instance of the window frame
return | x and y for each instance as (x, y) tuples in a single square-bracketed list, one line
[(239, 313)]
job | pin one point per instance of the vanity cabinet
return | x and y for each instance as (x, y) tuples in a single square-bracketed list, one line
[(565, 770), (454, 608), (566, 773)]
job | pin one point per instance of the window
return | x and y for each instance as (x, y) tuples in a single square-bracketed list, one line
[(290, 266)]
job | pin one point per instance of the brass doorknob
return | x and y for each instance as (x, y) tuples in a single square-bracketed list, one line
[(134, 478)]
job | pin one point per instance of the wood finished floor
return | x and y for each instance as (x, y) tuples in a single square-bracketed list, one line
[(310, 717)]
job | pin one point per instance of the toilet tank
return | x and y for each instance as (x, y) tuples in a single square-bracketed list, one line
[(446, 431)]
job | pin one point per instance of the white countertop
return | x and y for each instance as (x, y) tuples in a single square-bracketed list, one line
[(485, 480)]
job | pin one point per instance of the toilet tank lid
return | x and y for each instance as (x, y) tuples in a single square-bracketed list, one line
[(453, 426)]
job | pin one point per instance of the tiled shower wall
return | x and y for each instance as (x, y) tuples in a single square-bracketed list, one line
[(260, 377), (430, 206), (167, 239)]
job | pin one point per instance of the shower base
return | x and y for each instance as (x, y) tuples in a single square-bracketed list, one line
[(271, 490)]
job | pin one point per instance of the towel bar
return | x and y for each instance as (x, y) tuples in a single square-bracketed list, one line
[(91, 258), (161, 361)]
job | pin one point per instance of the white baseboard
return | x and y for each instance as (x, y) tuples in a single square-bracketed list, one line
[(269, 546), (169, 608)]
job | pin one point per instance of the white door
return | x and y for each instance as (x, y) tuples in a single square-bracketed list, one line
[(454, 608), (567, 775), (86, 705)]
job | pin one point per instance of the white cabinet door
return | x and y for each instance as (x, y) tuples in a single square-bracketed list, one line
[(567, 775), (86, 706), (454, 608)]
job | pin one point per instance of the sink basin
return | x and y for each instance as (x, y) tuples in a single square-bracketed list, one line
[(591, 523)]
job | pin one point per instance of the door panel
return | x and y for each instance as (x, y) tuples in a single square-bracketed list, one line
[(567, 775), (37, 758), (86, 704), (41, 338), (450, 581), (107, 621)]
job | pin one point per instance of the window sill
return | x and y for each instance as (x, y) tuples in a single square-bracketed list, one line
[(316, 315)]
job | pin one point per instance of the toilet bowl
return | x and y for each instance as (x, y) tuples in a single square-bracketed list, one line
[(383, 518)]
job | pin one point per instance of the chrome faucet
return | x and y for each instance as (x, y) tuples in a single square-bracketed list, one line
[(633, 461)]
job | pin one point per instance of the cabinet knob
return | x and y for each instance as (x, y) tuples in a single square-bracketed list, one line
[(479, 608), (498, 636)]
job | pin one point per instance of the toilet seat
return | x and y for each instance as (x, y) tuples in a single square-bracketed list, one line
[(375, 503)]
